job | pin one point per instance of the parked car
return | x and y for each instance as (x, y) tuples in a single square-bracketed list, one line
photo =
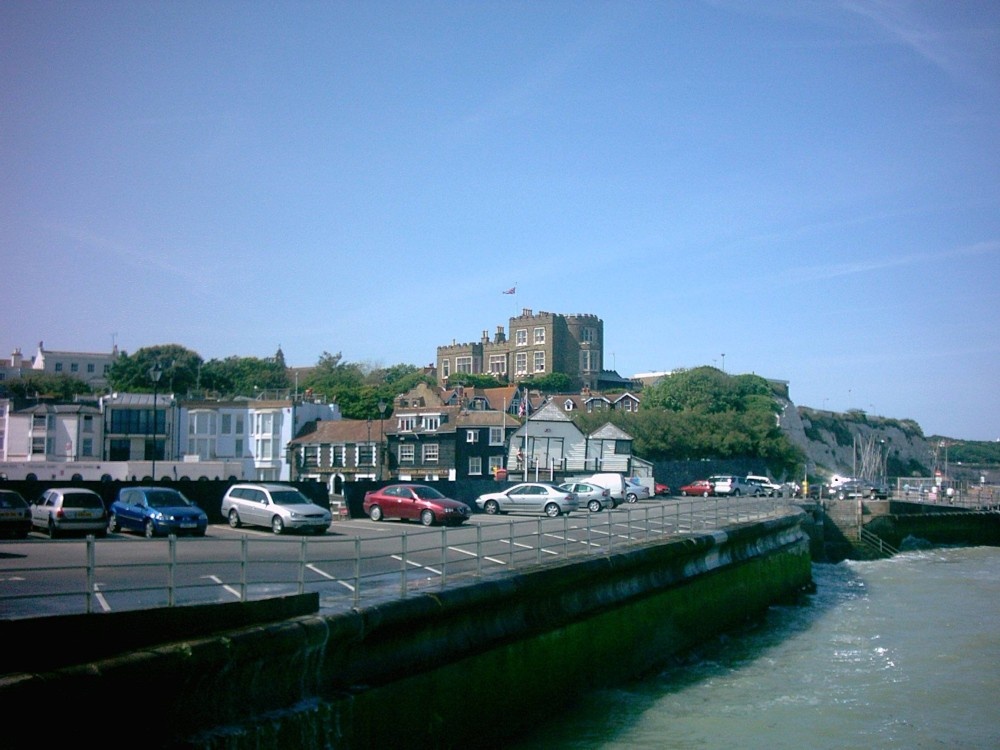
[(411, 502), (68, 510), (636, 490), (278, 506), (771, 489), (728, 484), (860, 488), (593, 496), (659, 488), (156, 511), (622, 491), (15, 514), (697, 488), (531, 497)]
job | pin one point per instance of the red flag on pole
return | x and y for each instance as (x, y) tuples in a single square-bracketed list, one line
[(512, 290)]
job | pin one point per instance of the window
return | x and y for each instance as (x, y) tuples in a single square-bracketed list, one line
[(38, 445), (406, 424), (472, 436), (59, 367), (201, 423), (496, 435), (203, 447), (521, 363), (475, 465), (239, 424), (498, 364), (431, 453), (90, 368), (588, 360), (430, 422), (227, 424), (337, 453), (586, 334), (406, 453), (88, 423), (623, 447), (119, 450), (521, 337), (74, 367), (87, 447), (38, 422), (310, 456), (539, 336), (463, 364), (496, 462), (366, 455), (539, 362), (238, 450), (568, 405), (445, 368)]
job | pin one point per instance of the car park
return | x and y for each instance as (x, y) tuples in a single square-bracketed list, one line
[(731, 485), (697, 488), (594, 497), (15, 514), (277, 506), (529, 497), (412, 502), (156, 511), (68, 510), (771, 489)]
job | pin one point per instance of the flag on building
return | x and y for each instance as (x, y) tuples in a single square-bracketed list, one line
[(511, 290), (522, 409)]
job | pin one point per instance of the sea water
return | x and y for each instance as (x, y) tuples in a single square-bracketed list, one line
[(898, 653)]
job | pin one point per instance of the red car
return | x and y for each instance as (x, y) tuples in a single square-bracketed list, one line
[(414, 502), (698, 487), (659, 488)]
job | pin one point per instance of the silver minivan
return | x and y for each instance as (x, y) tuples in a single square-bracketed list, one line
[(276, 506)]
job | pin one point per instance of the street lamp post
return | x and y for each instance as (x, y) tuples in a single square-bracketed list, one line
[(381, 429), (370, 446), (155, 373)]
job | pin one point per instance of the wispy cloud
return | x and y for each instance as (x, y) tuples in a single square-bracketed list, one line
[(968, 55), (835, 270)]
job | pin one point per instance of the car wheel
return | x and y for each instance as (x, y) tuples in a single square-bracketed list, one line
[(552, 510), (594, 506), (53, 531), (427, 518), (632, 497), (706, 493), (683, 493), (112, 523), (234, 519), (492, 507), (277, 525), (149, 529), (375, 513)]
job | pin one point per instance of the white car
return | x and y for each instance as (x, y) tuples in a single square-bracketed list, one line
[(276, 506), (771, 489), (531, 497)]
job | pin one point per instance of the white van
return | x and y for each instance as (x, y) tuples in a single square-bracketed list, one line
[(622, 490)]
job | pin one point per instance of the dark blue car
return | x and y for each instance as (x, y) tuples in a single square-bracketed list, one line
[(156, 511)]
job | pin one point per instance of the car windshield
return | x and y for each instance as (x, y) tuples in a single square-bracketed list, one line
[(427, 493), (10, 500), (289, 497), (166, 499), (81, 500)]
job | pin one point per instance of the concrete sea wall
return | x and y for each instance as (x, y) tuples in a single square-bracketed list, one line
[(464, 667)]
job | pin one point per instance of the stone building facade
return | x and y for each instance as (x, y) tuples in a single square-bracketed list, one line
[(538, 344)]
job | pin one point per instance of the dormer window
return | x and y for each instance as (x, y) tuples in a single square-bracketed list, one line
[(406, 424), (568, 405), (430, 422)]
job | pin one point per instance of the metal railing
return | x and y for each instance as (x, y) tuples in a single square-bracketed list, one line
[(346, 571), (876, 543)]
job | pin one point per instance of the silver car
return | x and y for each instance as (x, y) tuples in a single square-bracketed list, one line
[(529, 497), (69, 510), (594, 497), (276, 506)]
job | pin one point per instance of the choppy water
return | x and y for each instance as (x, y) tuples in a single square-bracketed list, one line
[(900, 653)]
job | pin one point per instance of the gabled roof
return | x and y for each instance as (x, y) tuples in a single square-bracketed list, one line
[(340, 431), (550, 412), (609, 431)]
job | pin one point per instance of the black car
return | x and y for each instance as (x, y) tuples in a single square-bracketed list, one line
[(15, 514)]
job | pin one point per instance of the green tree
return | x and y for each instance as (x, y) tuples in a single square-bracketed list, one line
[(243, 375), (45, 386), (553, 382), (179, 369)]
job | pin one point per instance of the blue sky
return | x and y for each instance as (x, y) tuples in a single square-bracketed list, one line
[(809, 191)]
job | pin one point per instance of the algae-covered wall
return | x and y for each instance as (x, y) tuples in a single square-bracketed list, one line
[(463, 667)]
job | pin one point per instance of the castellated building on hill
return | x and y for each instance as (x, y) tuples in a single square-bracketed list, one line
[(539, 343)]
